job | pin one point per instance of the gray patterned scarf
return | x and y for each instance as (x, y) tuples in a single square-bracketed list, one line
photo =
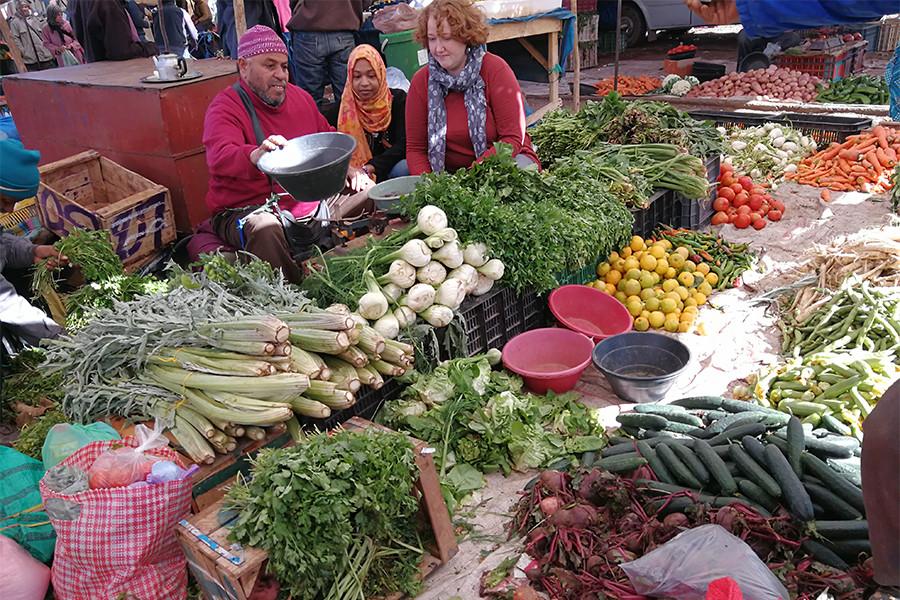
[(440, 83)]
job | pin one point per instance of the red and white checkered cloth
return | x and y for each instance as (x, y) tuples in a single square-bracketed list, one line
[(123, 540)]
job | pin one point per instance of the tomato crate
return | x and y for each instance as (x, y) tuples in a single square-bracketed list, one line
[(829, 66)]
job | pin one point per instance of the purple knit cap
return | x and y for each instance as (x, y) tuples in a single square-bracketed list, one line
[(260, 39)]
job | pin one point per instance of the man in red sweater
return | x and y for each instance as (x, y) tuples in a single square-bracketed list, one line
[(236, 186)]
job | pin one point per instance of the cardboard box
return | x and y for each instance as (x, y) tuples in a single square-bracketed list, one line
[(89, 191), (682, 68)]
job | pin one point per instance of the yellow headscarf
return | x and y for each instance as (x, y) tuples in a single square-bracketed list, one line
[(356, 116)]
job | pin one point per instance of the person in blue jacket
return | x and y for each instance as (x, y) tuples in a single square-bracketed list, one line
[(770, 18)]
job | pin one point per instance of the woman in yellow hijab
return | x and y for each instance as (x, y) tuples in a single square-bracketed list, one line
[(375, 115)]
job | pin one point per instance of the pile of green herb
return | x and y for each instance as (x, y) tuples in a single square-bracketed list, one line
[(537, 223), (481, 421), (91, 251), (28, 383), (335, 514), (616, 121), (31, 439)]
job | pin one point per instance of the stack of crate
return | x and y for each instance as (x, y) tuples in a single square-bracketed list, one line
[(587, 24)]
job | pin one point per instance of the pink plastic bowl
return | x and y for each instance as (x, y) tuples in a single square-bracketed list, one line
[(589, 311), (551, 358)]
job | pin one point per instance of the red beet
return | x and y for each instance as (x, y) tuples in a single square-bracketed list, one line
[(580, 516), (619, 555), (633, 541), (550, 505), (676, 520), (726, 517), (553, 481)]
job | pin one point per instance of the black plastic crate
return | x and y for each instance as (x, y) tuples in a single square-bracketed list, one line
[(822, 128), (826, 128), (661, 211), (368, 402), (705, 71), (493, 319), (696, 214)]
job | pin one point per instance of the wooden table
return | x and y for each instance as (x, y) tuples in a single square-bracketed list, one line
[(552, 28), (154, 130)]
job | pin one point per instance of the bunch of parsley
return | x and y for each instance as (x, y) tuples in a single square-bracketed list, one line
[(311, 506)]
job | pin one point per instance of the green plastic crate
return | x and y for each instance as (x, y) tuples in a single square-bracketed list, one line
[(402, 51)]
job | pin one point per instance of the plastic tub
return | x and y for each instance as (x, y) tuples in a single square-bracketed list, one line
[(386, 193), (401, 50), (641, 366), (548, 359), (589, 311)]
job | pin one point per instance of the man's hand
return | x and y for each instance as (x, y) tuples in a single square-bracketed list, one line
[(273, 142), (718, 12), (55, 259), (358, 180)]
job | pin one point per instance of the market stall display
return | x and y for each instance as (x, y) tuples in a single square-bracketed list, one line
[(766, 152), (742, 203), (857, 89), (628, 86)]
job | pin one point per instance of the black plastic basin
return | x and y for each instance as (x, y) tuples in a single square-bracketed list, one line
[(311, 167), (641, 367)]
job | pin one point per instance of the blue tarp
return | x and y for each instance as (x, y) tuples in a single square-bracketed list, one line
[(566, 44)]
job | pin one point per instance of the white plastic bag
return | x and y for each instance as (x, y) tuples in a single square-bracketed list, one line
[(22, 577), (683, 567), (123, 466)]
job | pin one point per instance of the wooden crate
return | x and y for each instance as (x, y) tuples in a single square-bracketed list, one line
[(224, 579), (89, 191)]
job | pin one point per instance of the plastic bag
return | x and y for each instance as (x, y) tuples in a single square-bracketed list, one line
[(396, 17), (19, 518), (683, 567), (118, 467), (396, 79), (21, 576), (64, 439)]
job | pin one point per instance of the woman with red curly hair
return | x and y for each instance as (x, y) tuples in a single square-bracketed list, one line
[(465, 99)]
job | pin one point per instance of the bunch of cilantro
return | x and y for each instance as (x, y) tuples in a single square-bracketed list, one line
[(537, 223), (481, 421), (311, 507)]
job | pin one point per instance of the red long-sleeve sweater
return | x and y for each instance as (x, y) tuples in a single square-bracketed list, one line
[(229, 139), (505, 119)]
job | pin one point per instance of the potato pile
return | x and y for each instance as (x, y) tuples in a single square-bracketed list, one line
[(774, 82)]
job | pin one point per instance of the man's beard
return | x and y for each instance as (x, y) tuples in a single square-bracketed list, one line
[(265, 98)]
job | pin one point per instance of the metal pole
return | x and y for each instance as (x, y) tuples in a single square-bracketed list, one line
[(576, 65), (618, 39)]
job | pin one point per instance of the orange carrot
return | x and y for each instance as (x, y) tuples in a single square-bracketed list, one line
[(881, 133), (876, 164), (825, 195), (851, 155), (833, 150)]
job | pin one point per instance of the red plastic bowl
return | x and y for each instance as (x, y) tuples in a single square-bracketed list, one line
[(589, 311), (551, 358)]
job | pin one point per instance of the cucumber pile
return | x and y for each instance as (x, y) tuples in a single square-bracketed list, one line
[(720, 451)]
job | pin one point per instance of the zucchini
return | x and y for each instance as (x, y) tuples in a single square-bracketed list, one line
[(620, 464), (823, 554), (663, 488), (644, 421), (833, 424), (792, 491), (656, 465), (848, 467), (701, 433), (740, 406), (828, 449), (833, 481), (819, 511), (682, 428), (665, 506), (647, 434), (615, 440), (588, 458), (735, 420), (755, 449), (851, 549), (756, 493), (754, 472), (843, 530), (796, 444), (751, 429), (732, 468), (835, 507), (775, 440), (693, 463), (702, 402), (677, 468), (677, 414), (628, 448), (716, 466)]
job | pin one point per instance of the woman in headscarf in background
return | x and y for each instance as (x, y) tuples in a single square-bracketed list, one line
[(375, 115), (58, 38)]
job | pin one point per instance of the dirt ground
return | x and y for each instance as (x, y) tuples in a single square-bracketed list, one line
[(739, 337)]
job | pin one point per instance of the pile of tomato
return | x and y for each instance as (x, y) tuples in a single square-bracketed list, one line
[(742, 202), (682, 48)]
